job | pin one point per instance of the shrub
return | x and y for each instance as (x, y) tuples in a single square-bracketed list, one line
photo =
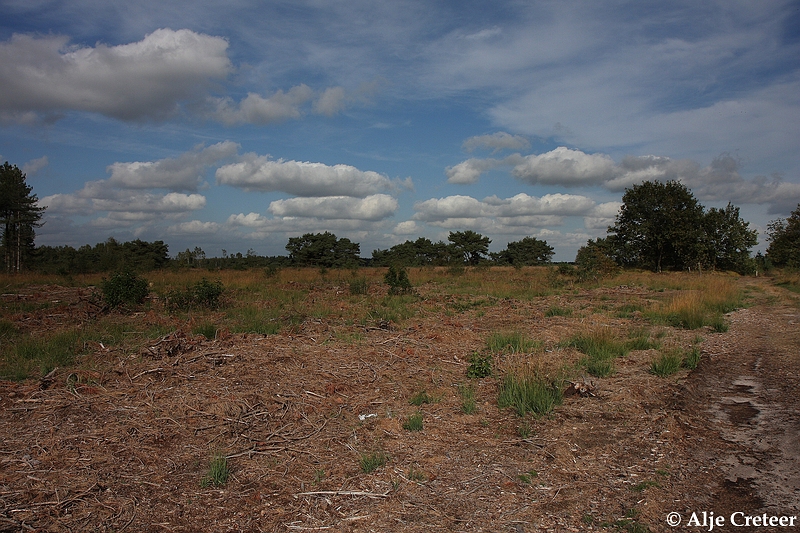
[(124, 288), (480, 366), (397, 280), (203, 294)]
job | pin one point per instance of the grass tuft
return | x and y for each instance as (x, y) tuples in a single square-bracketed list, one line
[(373, 461), (218, 471), (528, 394), (413, 422), (667, 364), (513, 342)]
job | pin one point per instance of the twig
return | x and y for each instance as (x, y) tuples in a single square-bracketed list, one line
[(140, 374), (344, 493)]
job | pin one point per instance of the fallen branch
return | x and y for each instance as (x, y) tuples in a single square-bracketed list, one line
[(344, 493)]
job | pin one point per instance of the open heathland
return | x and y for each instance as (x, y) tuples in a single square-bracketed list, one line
[(483, 399)]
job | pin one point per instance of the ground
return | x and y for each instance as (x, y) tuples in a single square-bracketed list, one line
[(123, 441)]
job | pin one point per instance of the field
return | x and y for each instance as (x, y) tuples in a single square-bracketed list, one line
[(486, 399)]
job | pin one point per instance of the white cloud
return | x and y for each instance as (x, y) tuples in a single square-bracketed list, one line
[(602, 216), (407, 227), (194, 227), (142, 80), (470, 171), (566, 167), (374, 207), (496, 142), (330, 102), (35, 165), (255, 109), (66, 204), (184, 173), (170, 203), (260, 173)]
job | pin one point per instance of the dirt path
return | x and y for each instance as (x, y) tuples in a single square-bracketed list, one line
[(748, 391)]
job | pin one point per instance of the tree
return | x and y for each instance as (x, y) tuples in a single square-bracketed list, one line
[(19, 215), (527, 252), (323, 250), (784, 241), (470, 245), (659, 226), (728, 240), (594, 259)]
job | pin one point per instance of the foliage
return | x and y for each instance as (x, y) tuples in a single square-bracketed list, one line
[(421, 252), (527, 252), (106, 256), (595, 259), (601, 348), (727, 240), (420, 398), (397, 280), (784, 241), (19, 215), (323, 250), (528, 394), (124, 288), (471, 246), (203, 294), (358, 286), (659, 226), (467, 393), (480, 366)]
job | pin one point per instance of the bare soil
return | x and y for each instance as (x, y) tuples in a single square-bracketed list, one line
[(123, 442)]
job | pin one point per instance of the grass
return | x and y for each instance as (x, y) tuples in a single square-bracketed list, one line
[(29, 355), (372, 461), (467, 393), (218, 472), (512, 342), (667, 364), (527, 393), (555, 310), (601, 348), (413, 422), (701, 305)]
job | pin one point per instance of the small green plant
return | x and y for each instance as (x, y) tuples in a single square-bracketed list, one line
[(667, 364), (644, 485), (601, 348), (124, 288), (555, 310), (319, 475), (416, 475), (413, 422), (692, 358), (372, 461), (528, 476), (397, 280), (480, 366), (203, 294), (524, 430), (218, 471), (420, 398), (359, 286), (467, 393), (528, 394), (206, 329)]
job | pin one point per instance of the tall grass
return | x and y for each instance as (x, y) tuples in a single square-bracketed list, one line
[(700, 306), (511, 341), (528, 393)]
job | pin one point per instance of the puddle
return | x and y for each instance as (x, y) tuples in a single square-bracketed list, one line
[(740, 413)]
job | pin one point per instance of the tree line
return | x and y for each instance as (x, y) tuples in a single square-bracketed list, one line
[(660, 226)]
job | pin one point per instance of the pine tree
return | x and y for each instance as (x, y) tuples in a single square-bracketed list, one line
[(19, 215)]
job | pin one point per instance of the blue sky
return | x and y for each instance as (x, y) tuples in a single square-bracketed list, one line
[(234, 126)]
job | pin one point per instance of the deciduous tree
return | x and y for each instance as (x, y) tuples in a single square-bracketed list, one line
[(784, 240)]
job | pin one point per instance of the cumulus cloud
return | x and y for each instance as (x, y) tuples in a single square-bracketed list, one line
[(374, 207), (260, 173), (518, 214), (147, 79), (470, 171), (496, 142), (184, 173), (563, 166), (194, 227), (330, 102), (256, 109), (602, 216)]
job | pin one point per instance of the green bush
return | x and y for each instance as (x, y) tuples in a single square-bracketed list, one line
[(203, 294), (480, 366), (124, 288), (397, 280)]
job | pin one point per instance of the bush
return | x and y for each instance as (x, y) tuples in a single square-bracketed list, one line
[(204, 294), (124, 288), (479, 366), (397, 280)]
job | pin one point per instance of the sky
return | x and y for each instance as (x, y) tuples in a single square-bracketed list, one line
[(236, 125)]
